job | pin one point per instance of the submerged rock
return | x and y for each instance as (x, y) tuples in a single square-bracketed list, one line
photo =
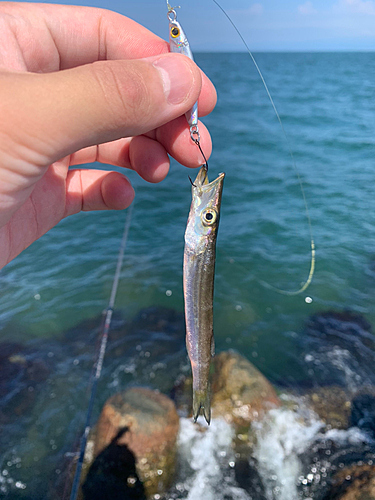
[(240, 393), (152, 423), (339, 410), (328, 456), (342, 327), (363, 413), (152, 346), (21, 372), (339, 350), (182, 395), (247, 474), (353, 483)]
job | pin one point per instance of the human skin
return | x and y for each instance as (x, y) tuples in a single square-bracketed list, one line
[(79, 85)]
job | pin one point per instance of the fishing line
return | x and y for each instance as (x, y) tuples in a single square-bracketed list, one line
[(100, 355), (312, 243)]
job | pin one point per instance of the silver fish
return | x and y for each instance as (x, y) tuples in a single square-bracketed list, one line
[(199, 270)]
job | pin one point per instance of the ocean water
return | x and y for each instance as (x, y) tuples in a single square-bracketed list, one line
[(327, 105)]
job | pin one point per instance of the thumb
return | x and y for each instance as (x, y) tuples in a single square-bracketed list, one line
[(55, 114)]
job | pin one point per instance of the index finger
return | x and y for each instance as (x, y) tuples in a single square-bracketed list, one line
[(79, 35)]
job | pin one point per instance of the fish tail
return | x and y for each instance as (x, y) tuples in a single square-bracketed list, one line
[(201, 399)]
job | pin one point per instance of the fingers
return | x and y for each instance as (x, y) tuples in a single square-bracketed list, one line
[(60, 113), (74, 35), (175, 137), (96, 190), (207, 98), (147, 156)]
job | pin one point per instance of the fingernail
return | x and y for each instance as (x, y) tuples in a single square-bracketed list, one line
[(177, 77)]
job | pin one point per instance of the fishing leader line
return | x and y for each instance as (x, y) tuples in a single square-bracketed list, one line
[(312, 243), (100, 355)]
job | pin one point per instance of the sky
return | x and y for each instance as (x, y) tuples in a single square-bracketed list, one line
[(266, 25)]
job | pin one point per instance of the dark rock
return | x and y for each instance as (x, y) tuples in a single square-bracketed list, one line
[(162, 319), (353, 483), (363, 413), (341, 326), (339, 349), (155, 342), (8, 349), (10, 369), (327, 457), (21, 372), (248, 478), (182, 395)]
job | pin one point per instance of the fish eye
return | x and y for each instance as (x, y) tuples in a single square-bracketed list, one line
[(175, 32), (209, 216)]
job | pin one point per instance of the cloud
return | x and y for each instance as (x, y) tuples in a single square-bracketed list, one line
[(256, 9), (306, 9), (358, 6)]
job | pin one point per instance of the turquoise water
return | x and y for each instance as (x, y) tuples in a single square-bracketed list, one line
[(327, 105)]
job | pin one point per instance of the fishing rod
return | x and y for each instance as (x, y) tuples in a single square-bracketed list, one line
[(100, 356)]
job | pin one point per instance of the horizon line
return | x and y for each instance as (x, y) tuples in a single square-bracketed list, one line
[(285, 51)]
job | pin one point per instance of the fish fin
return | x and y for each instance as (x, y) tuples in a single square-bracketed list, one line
[(212, 346), (201, 399)]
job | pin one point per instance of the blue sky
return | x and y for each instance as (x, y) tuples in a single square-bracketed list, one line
[(295, 25)]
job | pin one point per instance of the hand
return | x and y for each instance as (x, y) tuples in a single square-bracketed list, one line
[(79, 85)]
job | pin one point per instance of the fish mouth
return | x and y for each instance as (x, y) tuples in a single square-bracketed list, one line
[(202, 181)]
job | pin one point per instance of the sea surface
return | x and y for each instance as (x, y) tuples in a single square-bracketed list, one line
[(62, 283)]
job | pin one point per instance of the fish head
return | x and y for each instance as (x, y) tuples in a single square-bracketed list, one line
[(177, 38), (204, 213)]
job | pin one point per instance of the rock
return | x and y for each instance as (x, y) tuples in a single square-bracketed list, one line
[(247, 475), (21, 372), (182, 395), (153, 426), (332, 405), (345, 328), (153, 343), (353, 483), (328, 461), (335, 408), (240, 393), (339, 349), (363, 413)]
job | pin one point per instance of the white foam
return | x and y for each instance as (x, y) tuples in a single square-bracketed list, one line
[(352, 436), (208, 453), (207, 458), (340, 358), (281, 437)]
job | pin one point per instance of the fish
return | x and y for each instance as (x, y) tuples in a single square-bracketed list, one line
[(199, 253), (198, 283)]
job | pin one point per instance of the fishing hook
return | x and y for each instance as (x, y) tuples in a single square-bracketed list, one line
[(191, 182), (200, 149)]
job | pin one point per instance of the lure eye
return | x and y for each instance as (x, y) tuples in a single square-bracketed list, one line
[(175, 32), (209, 217)]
